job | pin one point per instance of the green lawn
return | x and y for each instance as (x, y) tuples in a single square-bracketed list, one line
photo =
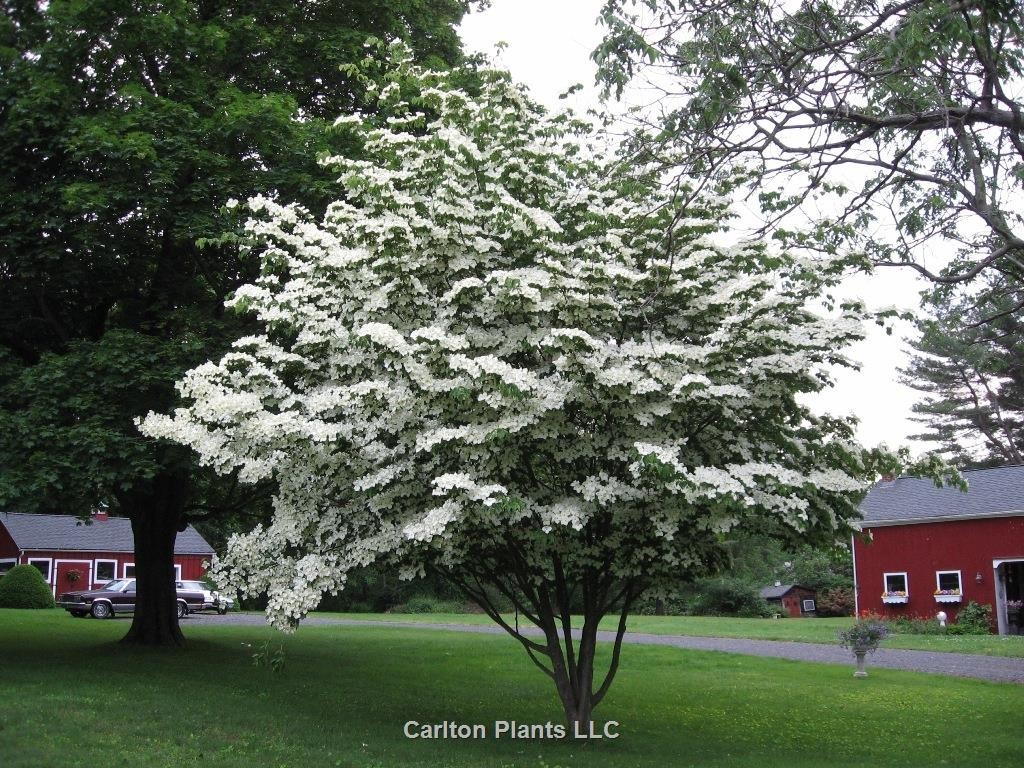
[(799, 630), (73, 697)]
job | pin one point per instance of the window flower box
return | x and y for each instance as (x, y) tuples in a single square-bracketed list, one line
[(947, 596), (895, 597)]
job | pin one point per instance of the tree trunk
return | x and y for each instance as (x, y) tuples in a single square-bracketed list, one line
[(572, 667), (573, 686), (156, 514)]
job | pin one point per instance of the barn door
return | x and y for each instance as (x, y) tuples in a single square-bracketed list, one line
[(72, 576)]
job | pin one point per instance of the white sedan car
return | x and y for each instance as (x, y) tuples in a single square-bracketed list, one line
[(212, 600)]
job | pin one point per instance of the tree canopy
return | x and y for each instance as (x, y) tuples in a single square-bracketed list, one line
[(125, 128), (891, 127), (969, 365), (506, 357)]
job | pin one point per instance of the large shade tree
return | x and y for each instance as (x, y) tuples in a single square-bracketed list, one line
[(889, 127), (125, 127), (503, 357)]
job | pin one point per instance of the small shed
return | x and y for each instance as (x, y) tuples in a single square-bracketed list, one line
[(793, 600), (73, 554)]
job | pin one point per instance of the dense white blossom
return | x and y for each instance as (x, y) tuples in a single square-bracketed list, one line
[(493, 338)]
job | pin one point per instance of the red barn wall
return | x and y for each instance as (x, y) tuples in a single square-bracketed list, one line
[(921, 549), (191, 565), (7, 546)]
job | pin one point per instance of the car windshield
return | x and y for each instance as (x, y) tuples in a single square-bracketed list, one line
[(119, 585)]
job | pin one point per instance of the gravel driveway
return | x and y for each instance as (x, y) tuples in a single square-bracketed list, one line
[(995, 668)]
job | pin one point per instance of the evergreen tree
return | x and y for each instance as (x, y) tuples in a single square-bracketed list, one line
[(969, 363)]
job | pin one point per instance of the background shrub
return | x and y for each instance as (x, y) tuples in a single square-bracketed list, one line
[(837, 601), (728, 597), (24, 587), (915, 626), (664, 602), (428, 604), (973, 619)]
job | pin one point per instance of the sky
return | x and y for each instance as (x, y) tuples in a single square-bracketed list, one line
[(547, 47)]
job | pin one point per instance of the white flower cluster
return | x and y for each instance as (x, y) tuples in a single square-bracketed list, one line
[(488, 337)]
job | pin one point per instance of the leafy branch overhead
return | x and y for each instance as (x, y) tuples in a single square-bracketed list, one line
[(901, 120)]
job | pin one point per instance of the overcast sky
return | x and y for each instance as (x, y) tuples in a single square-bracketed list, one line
[(548, 49)]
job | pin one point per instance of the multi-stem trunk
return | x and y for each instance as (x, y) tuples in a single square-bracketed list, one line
[(564, 654), (156, 514)]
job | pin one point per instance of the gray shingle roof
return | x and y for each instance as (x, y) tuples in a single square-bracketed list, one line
[(68, 533), (991, 493), (774, 593)]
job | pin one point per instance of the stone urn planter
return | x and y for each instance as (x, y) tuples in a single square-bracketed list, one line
[(863, 638)]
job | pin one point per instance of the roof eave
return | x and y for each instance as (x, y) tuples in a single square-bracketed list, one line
[(862, 524)]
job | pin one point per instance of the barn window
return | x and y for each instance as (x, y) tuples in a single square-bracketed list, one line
[(947, 582), (177, 572), (106, 570), (896, 583), (6, 565), (44, 567), (808, 606), (129, 571)]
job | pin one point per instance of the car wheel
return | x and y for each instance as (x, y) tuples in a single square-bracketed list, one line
[(101, 611), (182, 609)]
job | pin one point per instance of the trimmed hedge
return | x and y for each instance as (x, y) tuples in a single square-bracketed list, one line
[(24, 587)]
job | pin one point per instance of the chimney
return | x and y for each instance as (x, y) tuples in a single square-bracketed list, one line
[(778, 583), (99, 514)]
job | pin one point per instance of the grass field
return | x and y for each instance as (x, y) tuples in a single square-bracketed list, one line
[(73, 697), (797, 630)]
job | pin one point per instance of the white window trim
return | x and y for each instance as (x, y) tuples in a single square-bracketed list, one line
[(805, 601), (959, 578), (906, 581), (124, 571), (96, 568), (12, 560), (50, 568)]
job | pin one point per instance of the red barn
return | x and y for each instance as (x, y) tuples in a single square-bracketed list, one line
[(75, 555), (931, 549)]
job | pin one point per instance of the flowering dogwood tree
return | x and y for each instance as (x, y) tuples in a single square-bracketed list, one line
[(507, 359)]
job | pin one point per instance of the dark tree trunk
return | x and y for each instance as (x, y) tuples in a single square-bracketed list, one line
[(156, 514)]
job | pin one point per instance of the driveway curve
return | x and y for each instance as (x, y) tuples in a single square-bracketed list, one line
[(994, 668)]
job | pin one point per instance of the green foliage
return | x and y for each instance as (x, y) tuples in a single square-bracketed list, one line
[(272, 658), (966, 364), (973, 619), (907, 625), (126, 128), (428, 604), (379, 589), (863, 636), (120, 160), (916, 100), (24, 587), (837, 601), (823, 569), (728, 597)]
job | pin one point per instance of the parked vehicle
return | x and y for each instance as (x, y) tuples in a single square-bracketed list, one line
[(118, 596), (212, 600)]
